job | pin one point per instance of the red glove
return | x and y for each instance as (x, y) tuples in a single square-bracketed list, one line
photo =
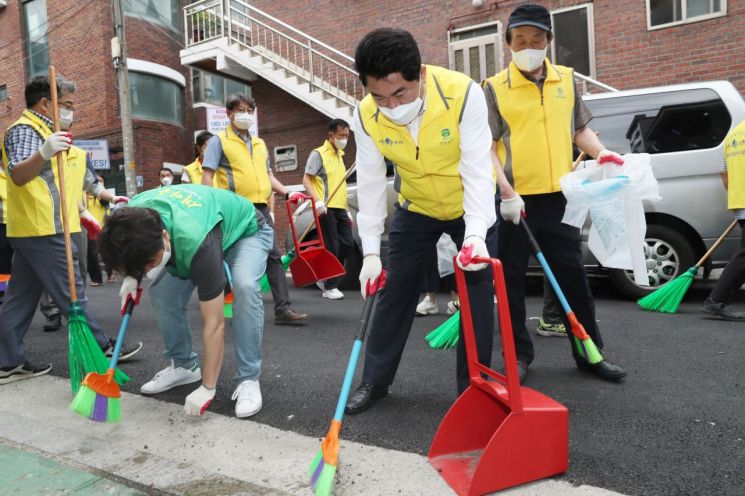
[(120, 199), (607, 156), (296, 196), (90, 224)]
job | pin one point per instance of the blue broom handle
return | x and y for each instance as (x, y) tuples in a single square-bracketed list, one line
[(122, 332), (228, 274), (546, 268)]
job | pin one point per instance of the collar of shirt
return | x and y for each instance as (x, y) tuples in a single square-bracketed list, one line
[(413, 126), (44, 119)]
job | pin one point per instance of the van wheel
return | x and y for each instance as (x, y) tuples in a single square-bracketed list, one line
[(667, 253), (353, 265)]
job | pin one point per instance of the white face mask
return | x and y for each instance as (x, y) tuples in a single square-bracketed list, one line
[(166, 181), (65, 118), (243, 120), (406, 112), (153, 273), (340, 143), (529, 59)]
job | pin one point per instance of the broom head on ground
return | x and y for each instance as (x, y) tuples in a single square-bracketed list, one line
[(585, 345), (99, 398), (667, 298), (446, 335), (323, 469)]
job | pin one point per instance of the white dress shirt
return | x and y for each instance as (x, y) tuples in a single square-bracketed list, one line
[(475, 171)]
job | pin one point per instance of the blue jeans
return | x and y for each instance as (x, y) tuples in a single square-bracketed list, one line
[(170, 296)]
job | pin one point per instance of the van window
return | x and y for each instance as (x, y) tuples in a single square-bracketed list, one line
[(661, 122)]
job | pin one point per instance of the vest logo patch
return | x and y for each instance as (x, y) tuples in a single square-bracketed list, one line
[(447, 136), (560, 92), (445, 133), (389, 142)]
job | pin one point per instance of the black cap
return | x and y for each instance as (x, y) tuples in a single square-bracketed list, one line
[(530, 14)]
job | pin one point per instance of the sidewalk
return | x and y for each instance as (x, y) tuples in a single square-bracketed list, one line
[(156, 449)]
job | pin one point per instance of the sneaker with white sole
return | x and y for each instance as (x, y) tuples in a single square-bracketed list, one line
[(170, 377), (427, 307), (125, 353), (547, 330), (248, 399), (453, 306), (25, 371), (332, 294)]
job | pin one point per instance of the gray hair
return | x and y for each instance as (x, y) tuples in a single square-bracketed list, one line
[(65, 85)]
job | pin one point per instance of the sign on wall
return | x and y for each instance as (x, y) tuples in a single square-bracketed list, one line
[(97, 151), (217, 120)]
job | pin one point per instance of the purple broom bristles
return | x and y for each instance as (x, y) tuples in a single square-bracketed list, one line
[(317, 474), (100, 409)]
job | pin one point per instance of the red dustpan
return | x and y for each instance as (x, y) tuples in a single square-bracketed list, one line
[(498, 434), (313, 262)]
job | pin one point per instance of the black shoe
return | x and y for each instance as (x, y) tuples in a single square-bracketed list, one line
[(25, 371), (53, 323), (604, 370), (288, 316), (364, 397), (722, 310), (126, 352)]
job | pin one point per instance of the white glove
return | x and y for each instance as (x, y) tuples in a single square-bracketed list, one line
[(271, 215), (58, 142), (473, 246), (321, 207), (119, 199), (606, 156), (371, 268), (129, 288), (198, 401), (512, 208)]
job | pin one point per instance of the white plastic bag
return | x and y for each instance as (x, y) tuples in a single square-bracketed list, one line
[(613, 196), (446, 250)]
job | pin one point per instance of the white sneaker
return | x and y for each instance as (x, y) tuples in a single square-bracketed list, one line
[(170, 377), (333, 294), (427, 307), (248, 396), (453, 306)]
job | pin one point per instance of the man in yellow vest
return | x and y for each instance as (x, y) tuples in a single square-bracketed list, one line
[(324, 173), (432, 124), (237, 161), (34, 228), (193, 172), (535, 113), (733, 177)]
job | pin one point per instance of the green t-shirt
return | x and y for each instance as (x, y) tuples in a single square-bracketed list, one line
[(191, 211)]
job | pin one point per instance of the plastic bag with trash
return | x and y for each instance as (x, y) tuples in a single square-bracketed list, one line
[(446, 250), (613, 196)]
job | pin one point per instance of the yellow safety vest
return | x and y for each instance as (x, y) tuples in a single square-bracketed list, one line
[(427, 177), (734, 157), (98, 211), (333, 164), (34, 208), (194, 171), (536, 149), (3, 196), (247, 173)]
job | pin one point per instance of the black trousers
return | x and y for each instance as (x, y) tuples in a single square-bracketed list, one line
[(94, 266), (6, 251), (337, 235), (560, 244), (275, 273), (733, 276), (411, 243)]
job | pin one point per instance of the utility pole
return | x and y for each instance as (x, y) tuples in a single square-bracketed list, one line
[(119, 55)]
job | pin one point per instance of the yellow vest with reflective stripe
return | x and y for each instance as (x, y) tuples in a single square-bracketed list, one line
[(428, 180), (93, 205), (247, 174), (333, 164), (194, 171), (734, 157), (538, 148), (34, 208), (3, 195)]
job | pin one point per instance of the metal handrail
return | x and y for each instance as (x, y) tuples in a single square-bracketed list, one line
[(588, 80)]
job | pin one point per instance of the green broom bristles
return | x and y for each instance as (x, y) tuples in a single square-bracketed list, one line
[(83, 402), (85, 355), (287, 258), (446, 335), (323, 484), (667, 298)]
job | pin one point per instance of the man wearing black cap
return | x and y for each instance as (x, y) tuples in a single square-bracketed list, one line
[(535, 113)]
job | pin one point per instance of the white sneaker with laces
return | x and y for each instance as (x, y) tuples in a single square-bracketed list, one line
[(333, 294), (427, 307), (170, 377), (248, 396)]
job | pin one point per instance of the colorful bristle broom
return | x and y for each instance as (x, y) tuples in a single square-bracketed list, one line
[(99, 396), (287, 258), (228, 304), (667, 298), (323, 469), (446, 335)]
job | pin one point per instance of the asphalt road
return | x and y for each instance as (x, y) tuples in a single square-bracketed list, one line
[(675, 426)]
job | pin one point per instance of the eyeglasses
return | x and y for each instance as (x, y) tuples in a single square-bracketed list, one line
[(67, 104)]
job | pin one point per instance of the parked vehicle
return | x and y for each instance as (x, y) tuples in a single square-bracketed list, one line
[(683, 128)]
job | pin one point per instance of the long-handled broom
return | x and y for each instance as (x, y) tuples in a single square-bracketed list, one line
[(228, 304), (667, 298), (288, 257), (323, 469), (99, 396), (585, 345), (85, 355)]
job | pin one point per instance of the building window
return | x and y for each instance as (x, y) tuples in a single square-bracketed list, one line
[(155, 98), (476, 50), (163, 12), (3, 93), (664, 13), (574, 39), (37, 41), (214, 89)]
